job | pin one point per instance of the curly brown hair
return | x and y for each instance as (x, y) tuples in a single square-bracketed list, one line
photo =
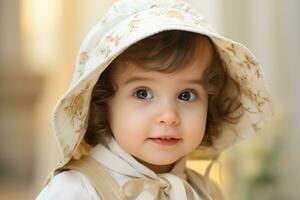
[(167, 52)]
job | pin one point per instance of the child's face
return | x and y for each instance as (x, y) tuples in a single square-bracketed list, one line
[(149, 106)]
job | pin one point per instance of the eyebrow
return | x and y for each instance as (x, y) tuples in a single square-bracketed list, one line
[(137, 79)]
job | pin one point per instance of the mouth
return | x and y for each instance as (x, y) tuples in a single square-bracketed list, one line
[(168, 141)]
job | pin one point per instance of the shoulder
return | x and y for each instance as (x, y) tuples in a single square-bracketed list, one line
[(69, 185), (207, 187)]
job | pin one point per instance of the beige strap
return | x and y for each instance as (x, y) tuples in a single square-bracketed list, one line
[(206, 188), (104, 184)]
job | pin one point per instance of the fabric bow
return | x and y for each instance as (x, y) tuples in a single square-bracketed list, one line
[(142, 188), (167, 186)]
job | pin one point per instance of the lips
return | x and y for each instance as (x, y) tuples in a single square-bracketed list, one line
[(165, 140)]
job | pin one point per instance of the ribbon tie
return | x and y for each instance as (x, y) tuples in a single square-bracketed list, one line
[(167, 186), (144, 189)]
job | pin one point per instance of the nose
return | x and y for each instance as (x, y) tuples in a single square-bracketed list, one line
[(168, 115)]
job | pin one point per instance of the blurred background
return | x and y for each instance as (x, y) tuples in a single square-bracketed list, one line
[(39, 40)]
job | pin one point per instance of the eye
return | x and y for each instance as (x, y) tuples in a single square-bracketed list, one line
[(143, 94), (188, 96)]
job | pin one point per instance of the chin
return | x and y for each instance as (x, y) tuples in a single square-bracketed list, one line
[(162, 161)]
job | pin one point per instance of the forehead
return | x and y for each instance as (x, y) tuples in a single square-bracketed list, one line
[(196, 64)]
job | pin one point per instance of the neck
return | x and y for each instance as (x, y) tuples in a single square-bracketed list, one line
[(159, 169)]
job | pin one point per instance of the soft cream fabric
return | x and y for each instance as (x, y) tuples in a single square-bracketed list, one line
[(158, 185), (69, 185)]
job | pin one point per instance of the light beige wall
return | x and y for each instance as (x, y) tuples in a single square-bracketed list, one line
[(271, 30), (9, 40)]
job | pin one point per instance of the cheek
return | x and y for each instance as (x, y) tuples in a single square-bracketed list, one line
[(195, 131), (127, 119), (195, 122)]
